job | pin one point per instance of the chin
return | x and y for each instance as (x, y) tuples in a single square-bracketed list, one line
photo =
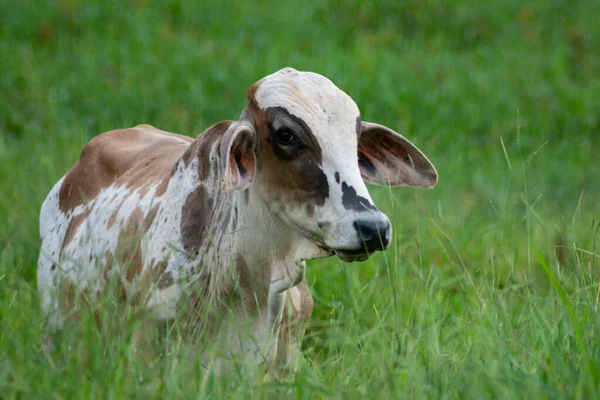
[(352, 255)]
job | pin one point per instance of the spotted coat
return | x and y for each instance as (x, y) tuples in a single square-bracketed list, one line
[(225, 222)]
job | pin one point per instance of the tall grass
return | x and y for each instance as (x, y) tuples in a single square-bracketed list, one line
[(491, 286)]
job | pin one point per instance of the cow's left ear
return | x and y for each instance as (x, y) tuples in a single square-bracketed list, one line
[(387, 158), (238, 155)]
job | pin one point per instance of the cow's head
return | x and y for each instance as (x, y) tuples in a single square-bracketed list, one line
[(302, 146)]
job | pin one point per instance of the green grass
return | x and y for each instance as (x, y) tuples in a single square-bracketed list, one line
[(490, 289)]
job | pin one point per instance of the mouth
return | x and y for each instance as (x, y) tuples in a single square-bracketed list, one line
[(352, 255)]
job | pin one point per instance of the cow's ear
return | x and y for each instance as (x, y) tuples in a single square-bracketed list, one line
[(387, 158), (238, 155)]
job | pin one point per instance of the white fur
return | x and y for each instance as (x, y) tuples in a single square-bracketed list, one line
[(274, 251)]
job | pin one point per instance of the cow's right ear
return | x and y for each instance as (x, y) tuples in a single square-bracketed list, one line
[(387, 158), (238, 155)]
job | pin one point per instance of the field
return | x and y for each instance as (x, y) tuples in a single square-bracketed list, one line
[(491, 286)]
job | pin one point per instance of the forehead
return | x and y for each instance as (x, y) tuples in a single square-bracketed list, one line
[(308, 96)]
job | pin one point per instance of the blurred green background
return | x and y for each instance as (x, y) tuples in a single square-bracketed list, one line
[(490, 288)]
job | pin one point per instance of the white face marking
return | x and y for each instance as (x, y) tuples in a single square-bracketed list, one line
[(332, 117)]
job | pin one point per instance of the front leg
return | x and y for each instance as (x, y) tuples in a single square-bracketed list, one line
[(297, 310), (288, 296)]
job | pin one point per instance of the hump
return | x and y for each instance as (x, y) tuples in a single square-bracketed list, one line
[(133, 156)]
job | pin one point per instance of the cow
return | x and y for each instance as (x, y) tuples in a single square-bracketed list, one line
[(216, 231)]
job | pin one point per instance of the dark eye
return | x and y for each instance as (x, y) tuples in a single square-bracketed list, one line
[(285, 137)]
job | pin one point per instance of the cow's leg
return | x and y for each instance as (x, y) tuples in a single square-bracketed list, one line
[(49, 302), (296, 313)]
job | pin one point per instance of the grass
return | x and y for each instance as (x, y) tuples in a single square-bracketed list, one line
[(491, 287)]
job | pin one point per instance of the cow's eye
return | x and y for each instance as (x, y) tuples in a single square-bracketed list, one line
[(284, 137)]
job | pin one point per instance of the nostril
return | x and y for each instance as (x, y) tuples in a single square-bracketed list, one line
[(374, 234), (364, 229)]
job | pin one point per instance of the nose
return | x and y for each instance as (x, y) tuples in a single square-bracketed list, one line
[(374, 234)]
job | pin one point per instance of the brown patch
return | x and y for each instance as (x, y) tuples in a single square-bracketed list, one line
[(201, 148), (196, 211), (245, 280), (251, 289), (108, 264), (128, 245), (290, 176), (113, 286), (164, 278), (149, 219), (67, 295), (113, 215), (234, 220), (251, 94), (200, 312), (237, 152), (224, 222), (74, 224), (136, 157), (162, 187), (72, 300)]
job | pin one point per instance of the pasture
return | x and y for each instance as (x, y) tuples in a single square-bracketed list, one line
[(491, 286)]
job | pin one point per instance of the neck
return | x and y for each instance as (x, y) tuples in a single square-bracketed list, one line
[(232, 246), (229, 239)]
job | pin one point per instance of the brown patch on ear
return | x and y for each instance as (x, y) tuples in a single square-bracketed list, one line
[(74, 224), (237, 156), (244, 161), (196, 211)]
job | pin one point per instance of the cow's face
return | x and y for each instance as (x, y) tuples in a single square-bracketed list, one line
[(313, 154)]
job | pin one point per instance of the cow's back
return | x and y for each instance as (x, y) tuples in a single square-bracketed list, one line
[(133, 156)]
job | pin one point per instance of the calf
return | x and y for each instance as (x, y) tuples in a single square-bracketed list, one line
[(226, 221)]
